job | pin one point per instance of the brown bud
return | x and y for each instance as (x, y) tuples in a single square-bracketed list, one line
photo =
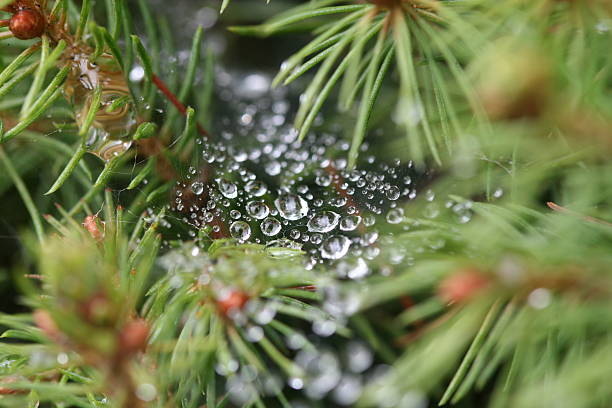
[(462, 286), (94, 227), (234, 300), (45, 322), (133, 337), (514, 82), (27, 23)]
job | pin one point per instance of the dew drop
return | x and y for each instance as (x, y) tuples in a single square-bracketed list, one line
[(291, 207), (392, 193), (240, 230), (228, 189), (294, 234), (347, 392), (257, 209), (197, 187), (323, 222), (335, 247), (316, 239), (270, 226), (395, 216), (350, 222), (256, 188)]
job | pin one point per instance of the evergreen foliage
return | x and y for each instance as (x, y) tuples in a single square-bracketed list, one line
[(501, 291)]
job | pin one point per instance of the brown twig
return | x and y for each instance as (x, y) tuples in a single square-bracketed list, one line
[(208, 171), (175, 101)]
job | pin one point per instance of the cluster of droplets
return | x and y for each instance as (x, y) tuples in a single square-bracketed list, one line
[(314, 203), (259, 184)]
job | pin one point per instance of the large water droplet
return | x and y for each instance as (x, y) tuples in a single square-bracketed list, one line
[(228, 189), (240, 230), (395, 216), (335, 247), (323, 222), (353, 269), (291, 207), (197, 187), (270, 226), (257, 209), (256, 188), (350, 222), (392, 193)]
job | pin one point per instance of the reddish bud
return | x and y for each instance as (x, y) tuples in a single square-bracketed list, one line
[(45, 322), (234, 300), (27, 23), (133, 336), (462, 285), (94, 227)]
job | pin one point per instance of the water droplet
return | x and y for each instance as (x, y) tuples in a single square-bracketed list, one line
[(254, 334), (430, 195), (350, 222), (62, 358), (240, 230), (323, 222), (254, 86), (323, 179), (335, 247), (316, 238), (273, 168), (228, 189), (291, 207), (137, 73), (369, 220), (392, 193), (270, 226), (395, 216), (540, 298), (257, 209), (369, 237), (349, 389), (431, 210), (296, 383), (352, 269), (359, 357), (256, 188), (324, 328), (197, 187)]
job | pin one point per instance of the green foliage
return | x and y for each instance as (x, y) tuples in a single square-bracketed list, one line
[(504, 280), (359, 48)]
